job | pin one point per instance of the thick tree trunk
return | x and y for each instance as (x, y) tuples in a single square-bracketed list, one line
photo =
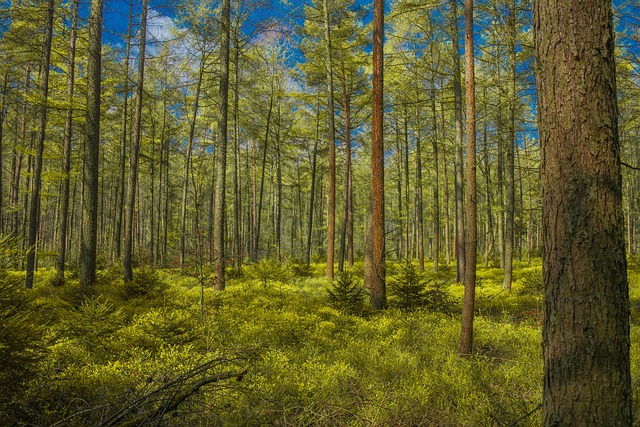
[(34, 206), (127, 259), (374, 278), (220, 214), (466, 342), (88, 239), (586, 322)]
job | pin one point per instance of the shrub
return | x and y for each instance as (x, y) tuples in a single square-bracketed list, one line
[(346, 294), (145, 283), (267, 270), (410, 289), (300, 268)]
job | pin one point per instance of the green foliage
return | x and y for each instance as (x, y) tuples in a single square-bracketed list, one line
[(410, 289), (22, 344), (146, 283), (267, 270), (300, 268), (346, 293), (10, 252), (530, 281)]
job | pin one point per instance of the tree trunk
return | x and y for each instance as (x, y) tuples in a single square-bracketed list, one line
[(509, 230), (419, 206), (436, 194), (187, 162), (34, 206), (374, 278), (123, 138), (221, 180), (459, 193), (586, 323), (127, 259), (331, 229), (466, 341), (313, 181), (89, 236), (66, 151), (346, 235)]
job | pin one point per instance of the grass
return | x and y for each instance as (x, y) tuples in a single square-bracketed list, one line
[(297, 360)]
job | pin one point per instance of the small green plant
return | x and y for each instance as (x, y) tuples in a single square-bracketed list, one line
[(407, 288), (410, 289), (145, 283), (300, 268), (346, 293), (267, 270)]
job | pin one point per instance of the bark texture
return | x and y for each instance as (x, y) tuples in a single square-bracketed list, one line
[(88, 241), (375, 267), (586, 327)]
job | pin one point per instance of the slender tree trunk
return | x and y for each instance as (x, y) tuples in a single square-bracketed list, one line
[(66, 151), (237, 187), (127, 259), (221, 180), (487, 181), (374, 278), (187, 161), (459, 193), (436, 193), (466, 341), (509, 230), (585, 339), (2, 118), (445, 175), (89, 236), (419, 201), (313, 181), (256, 242), (331, 229), (34, 206), (123, 138), (347, 216)]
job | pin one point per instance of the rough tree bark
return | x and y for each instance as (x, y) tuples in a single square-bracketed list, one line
[(466, 341), (221, 179), (586, 327), (89, 237), (374, 278)]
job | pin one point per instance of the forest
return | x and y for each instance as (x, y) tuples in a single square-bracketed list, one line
[(319, 212)]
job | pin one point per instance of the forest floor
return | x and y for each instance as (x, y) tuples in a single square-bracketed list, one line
[(274, 350)]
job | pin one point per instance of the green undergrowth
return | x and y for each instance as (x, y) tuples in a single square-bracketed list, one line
[(276, 349)]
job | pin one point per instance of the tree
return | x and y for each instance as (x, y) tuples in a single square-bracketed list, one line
[(586, 327), (127, 258), (471, 236), (66, 156), (34, 206), (89, 237), (331, 229), (374, 278), (220, 210)]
